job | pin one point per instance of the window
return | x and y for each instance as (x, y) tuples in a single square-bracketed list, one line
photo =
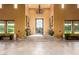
[(68, 27), (2, 27), (10, 27), (76, 27), (71, 27)]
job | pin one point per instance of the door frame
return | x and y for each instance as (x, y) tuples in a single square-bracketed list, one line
[(42, 24)]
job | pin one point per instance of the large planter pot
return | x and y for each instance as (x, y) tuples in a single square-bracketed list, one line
[(28, 32), (51, 32), (66, 36), (11, 37)]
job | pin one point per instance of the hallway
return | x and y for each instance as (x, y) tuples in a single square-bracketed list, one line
[(39, 46)]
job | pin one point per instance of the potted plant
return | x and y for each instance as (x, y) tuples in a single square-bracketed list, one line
[(67, 35), (51, 32), (28, 32)]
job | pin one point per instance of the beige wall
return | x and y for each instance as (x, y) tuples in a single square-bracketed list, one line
[(8, 12), (71, 12), (51, 10), (58, 20)]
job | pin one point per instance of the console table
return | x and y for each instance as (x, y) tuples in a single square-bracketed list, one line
[(6, 37), (72, 37)]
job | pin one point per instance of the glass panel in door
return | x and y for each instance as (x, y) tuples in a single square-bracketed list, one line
[(39, 26)]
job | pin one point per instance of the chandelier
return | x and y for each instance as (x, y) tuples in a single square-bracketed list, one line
[(39, 10)]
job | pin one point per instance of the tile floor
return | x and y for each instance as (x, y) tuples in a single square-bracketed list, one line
[(38, 45)]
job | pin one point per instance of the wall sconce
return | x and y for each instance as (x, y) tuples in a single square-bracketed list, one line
[(0, 5), (62, 5), (77, 5), (15, 5)]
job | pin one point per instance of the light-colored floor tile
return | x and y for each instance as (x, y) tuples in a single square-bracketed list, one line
[(39, 46)]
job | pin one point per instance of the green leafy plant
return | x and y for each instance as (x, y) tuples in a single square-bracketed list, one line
[(51, 32)]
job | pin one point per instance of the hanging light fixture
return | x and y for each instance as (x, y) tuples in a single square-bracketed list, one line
[(39, 10)]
